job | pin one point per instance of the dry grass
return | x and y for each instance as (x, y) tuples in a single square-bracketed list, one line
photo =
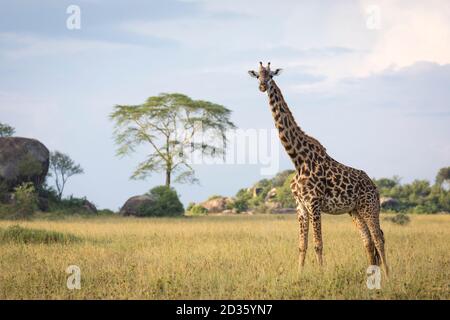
[(239, 257)]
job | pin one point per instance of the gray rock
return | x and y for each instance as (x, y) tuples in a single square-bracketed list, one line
[(22, 160), (389, 203), (133, 205)]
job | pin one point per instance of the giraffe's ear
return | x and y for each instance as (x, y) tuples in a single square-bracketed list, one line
[(253, 74), (277, 72)]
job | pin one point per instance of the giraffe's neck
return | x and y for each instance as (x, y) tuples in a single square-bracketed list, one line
[(294, 140)]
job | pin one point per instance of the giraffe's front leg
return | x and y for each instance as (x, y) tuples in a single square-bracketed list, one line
[(303, 219)]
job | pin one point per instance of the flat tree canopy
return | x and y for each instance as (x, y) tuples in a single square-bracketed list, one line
[(167, 124)]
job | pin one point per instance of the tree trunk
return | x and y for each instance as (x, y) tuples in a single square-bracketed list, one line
[(168, 172)]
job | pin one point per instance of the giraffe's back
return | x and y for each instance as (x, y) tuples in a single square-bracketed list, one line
[(344, 187)]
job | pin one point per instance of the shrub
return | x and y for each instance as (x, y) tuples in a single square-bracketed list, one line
[(25, 200), (166, 203), (240, 205), (48, 192), (284, 193), (70, 205), (105, 212), (198, 210), (400, 219), (241, 202), (190, 206), (19, 234)]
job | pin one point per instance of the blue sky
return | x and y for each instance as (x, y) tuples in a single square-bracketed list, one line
[(376, 95)]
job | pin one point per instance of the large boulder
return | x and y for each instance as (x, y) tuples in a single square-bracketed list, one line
[(134, 205), (217, 204), (22, 160), (271, 195)]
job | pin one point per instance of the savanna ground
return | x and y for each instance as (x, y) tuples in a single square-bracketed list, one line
[(221, 257)]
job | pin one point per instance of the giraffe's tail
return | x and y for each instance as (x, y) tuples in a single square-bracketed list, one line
[(377, 257), (376, 253)]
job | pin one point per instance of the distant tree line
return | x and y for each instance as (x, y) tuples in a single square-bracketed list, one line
[(419, 196)]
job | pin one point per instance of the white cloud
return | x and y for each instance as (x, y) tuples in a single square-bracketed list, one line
[(410, 31)]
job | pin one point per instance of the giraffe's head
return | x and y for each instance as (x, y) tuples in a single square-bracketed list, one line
[(264, 75)]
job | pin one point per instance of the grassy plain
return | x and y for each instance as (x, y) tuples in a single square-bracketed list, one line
[(220, 257)]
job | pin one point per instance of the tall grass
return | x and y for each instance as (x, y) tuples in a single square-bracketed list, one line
[(238, 257), (18, 234)]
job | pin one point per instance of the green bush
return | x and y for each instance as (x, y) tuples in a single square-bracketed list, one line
[(69, 205), (284, 193), (241, 202), (48, 192), (166, 203), (26, 200), (198, 210), (105, 212), (190, 206), (240, 205)]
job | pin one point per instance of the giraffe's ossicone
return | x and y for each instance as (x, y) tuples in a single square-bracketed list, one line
[(322, 184)]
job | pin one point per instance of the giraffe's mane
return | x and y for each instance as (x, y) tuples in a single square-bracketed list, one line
[(310, 139)]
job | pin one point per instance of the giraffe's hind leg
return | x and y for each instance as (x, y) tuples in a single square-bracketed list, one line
[(372, 254), (371, 217), (317, 232)]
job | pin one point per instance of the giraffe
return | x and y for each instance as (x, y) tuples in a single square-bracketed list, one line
[(321, 184)]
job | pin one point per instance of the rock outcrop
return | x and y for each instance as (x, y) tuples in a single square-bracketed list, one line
[(134, 205), (271, 195), (217, 204), (22, 160)]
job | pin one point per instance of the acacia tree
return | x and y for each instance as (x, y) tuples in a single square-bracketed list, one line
[(167, 124), (443, 177), (6, 130), (62, 168)]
